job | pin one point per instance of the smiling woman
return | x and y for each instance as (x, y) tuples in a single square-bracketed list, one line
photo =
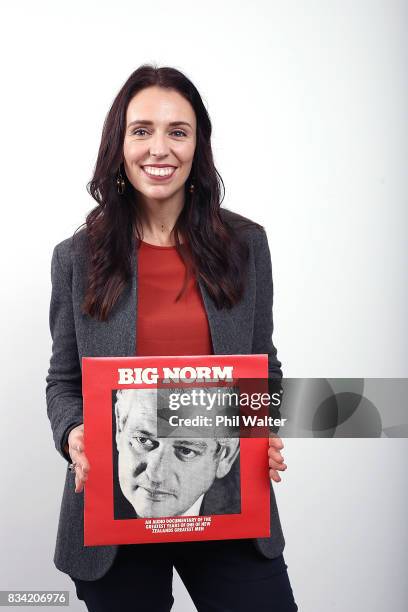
[(161, 269), (154, 151), (156, 143)]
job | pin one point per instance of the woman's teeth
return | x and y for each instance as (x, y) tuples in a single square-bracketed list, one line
[(158, 171)]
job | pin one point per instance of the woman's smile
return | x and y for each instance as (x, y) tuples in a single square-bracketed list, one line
[(159, 173)]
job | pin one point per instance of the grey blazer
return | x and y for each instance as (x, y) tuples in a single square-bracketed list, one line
[(246, 328)]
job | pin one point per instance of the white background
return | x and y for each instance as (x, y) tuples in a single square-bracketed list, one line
[(308, 102)]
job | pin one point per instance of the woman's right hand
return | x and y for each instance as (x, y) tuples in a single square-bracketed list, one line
[(76, 449)]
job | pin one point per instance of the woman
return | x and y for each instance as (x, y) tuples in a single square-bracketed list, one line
[(159, 269)]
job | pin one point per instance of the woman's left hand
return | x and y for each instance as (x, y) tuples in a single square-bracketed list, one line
[(275, 458)]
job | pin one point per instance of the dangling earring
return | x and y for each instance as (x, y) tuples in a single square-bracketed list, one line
[(120, 182), (191, 188)]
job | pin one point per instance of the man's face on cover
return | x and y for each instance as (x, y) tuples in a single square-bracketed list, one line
[(163, 476)]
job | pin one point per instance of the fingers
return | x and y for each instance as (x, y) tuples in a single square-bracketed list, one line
[(79, 485), (273, 475), (77, 454), (81, 475), (275, 455), (275, 458), (82, 468), (275, 442), (79, 457), (277, 463)]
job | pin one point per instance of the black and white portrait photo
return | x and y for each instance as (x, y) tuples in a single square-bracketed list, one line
[(168, 476)]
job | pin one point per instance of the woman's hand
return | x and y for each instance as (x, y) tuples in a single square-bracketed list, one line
[(275, 458), (76, 449)]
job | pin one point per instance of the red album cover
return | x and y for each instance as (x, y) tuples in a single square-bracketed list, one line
[(166, 464)]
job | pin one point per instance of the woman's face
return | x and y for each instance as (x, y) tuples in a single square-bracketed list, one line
[(160, 131)]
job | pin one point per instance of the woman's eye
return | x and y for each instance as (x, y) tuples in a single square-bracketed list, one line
[(139, 130), (178, 132)]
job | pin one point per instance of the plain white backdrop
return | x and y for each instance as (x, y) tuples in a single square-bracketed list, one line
[(308, 102)]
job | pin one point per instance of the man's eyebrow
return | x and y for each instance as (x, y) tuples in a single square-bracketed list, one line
[(202, 445), (144, 432), (146, 122)]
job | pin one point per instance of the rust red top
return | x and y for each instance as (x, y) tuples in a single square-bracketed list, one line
[(164, 326)]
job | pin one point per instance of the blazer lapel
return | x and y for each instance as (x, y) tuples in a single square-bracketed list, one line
[(221, 323)]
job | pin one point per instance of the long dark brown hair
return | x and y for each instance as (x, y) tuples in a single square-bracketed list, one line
[(213, 249)]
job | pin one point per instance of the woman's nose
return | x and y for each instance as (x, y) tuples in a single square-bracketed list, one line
[(158, 145)]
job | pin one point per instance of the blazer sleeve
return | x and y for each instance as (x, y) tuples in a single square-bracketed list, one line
[(263, 321), (64, 379)]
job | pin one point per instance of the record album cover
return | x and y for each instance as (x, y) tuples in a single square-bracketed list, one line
[(170, 459)]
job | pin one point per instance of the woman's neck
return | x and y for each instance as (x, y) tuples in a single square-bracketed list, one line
[(157, 220)]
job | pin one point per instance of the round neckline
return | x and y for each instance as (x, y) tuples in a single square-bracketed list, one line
[(156, 246)]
